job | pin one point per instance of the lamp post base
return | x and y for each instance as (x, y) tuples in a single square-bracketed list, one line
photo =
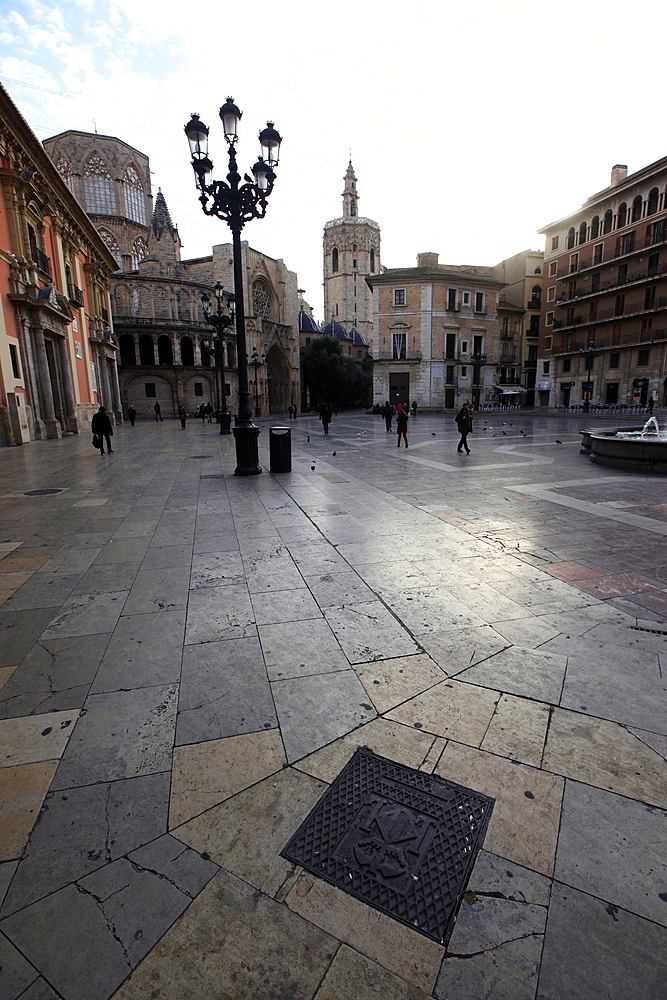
[(247, 451), (225, 421)]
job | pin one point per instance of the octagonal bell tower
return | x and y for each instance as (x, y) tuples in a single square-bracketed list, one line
[(351, 252)]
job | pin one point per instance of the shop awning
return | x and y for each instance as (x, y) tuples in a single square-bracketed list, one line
[(509, 390)]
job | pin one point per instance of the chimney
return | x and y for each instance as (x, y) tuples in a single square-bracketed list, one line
[(618, 173), (427, 259)]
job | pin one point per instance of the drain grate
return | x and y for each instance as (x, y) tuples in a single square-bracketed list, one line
[(41, 493), (653, 631), (400, 840), (213, 475)]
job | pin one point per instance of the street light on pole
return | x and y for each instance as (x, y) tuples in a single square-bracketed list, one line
[(255, 363), (220, 322), (478, 362), (590, 355), (236, 203)]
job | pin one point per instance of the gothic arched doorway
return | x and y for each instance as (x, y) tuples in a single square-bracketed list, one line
[(278, 379)]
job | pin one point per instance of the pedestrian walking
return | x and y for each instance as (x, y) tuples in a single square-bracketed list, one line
[(388, 413), (209, 413), (132, 414), (201, 412), (325, 417), (651, 404), (402, 428), (158, 412), (464, 423), (414, 407), (183, 416), (102, 430)]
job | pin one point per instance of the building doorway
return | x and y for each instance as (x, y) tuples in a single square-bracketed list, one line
[(565, 393), (278, 379), (450, 397), (399, 388)]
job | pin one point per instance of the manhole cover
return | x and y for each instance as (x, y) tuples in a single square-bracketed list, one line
[(199, 456), (399, 840), (41, 493)]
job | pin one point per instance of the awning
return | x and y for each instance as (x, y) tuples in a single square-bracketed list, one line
[(509, 390)]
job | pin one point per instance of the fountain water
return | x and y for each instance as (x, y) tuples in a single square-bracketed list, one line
[(650, 431), (640, 449)]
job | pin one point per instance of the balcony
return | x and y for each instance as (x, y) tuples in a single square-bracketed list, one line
[(75, 294), (43, 262), (610, 254), (535, 304), (645, 275), (403, 356)]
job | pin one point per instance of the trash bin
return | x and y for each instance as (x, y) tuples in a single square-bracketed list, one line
[(280, 449)]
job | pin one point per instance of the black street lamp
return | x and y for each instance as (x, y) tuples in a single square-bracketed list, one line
[(220, 322), (255, 363), (590, 355), (236, 203), (478, 362)]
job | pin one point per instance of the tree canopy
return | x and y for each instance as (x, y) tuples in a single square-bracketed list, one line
[(332, 377)]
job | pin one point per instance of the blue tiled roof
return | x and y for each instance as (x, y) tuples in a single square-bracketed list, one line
[(307, 324), (336, 330), (359, 339)]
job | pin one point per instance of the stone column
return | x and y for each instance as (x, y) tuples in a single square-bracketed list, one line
[(48, 412), (115, 392), (196, 351), (176, 349), (104, 379), (71, 421)]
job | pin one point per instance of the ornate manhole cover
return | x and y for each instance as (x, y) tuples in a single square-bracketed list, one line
[(41, 493), (399, 840)]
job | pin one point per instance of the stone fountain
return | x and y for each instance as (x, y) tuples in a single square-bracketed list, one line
[(639, 449)]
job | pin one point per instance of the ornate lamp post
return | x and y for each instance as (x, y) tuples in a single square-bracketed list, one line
[(220, 322), (255, 363), (236, 203), (478, 362), (590, 355)]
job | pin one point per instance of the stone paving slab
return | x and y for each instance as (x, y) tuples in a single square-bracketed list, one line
[(226, 645)]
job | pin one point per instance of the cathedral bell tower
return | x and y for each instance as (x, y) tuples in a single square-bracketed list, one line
[(351, 252)]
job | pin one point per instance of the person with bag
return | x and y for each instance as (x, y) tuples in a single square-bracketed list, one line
[(402, 427), (102, 429), (464, 423)]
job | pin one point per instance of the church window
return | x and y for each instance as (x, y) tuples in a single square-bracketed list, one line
[(334, 259), (353, 207), (372, 261), (111, 244), (354, 263), (63, 168), (98, 188), (261, 300), (139, 251), (135, 203)]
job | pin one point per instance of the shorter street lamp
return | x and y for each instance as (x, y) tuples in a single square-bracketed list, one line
[(256, 362), (478, 362), (220, 322), (590, 355)]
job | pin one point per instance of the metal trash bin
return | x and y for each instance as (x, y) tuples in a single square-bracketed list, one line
[(280, 449)]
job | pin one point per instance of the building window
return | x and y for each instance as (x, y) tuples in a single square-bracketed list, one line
[(261, 299), (549, 320), (658, 232), (553, 268), (199, 388), (450, 345), (619, 305), (622, 216), (567, 365), (597, 253), (547, 343), (98, 187), (551, 293), (642, 357), (466, 298), (583, 228), (451, 298), (449, 374), (554, 242), (464, 371), (608, 221), (595, 282), (111, 245), (150, 389), (464, 347), (637, 208), (399, 296), (372, 261), (595, 227), (627, 243), (139, 251), (477, 344), (354, 264), (614, 360), (479, 302), (574, 263), (571, 238), (13, 354), (546, 365), (398, 340), (649, 297), (334, 259), (652, 205)]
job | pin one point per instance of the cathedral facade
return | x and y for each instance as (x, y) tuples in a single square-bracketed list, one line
[(351, 254)]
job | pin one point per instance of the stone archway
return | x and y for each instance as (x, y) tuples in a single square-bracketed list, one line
[(278, 379)]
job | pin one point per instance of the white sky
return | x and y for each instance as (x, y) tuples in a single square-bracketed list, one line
[(470, 124)]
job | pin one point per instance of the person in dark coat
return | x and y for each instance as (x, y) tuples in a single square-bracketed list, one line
[(182, 415), (158, 414), (651, 404), (101, 425), (132, 414), (388, 413), (325, 417), (464, 423), (402, 428)]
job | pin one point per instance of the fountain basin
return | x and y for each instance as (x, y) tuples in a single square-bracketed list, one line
[(637, 454)]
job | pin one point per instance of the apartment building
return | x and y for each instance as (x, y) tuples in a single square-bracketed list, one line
[(436, 335), (603, 338)]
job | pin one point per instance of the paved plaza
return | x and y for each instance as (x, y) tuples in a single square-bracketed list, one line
[(189, 658)]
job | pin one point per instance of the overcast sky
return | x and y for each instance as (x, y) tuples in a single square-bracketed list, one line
[(470, 125)]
